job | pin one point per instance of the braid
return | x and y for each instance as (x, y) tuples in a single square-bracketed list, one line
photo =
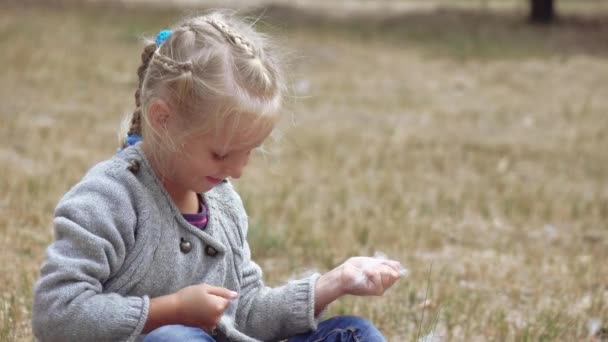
[(204, 68), (233, 37), (171, 65), (146, 57), (257, 69)]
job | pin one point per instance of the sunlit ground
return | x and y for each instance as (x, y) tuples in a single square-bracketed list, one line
[(468, 145)]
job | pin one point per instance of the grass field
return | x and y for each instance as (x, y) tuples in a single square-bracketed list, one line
[(468, 145)]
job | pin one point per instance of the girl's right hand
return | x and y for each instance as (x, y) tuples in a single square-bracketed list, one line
[(202, 305)]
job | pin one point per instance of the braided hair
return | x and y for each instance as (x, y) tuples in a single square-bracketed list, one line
[(209, 66), (146, 57)]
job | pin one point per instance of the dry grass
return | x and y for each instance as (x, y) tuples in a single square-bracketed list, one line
[(471, 148)]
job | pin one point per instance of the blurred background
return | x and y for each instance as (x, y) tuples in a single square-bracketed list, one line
[(467, 139)]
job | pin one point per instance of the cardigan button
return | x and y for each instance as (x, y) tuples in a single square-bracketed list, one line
[(185, 246), (210, 251)]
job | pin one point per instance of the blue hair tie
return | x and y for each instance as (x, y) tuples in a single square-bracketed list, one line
[(132, 139), (162, 36)]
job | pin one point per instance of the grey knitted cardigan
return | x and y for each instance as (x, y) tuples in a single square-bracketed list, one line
[(119, 241)]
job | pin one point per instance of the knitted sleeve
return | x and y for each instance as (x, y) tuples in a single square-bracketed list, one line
[(271, 314), (94, 229)]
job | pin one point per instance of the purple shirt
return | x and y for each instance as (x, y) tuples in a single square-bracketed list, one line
[(199, 220)]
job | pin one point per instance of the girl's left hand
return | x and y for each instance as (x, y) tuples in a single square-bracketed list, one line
[(359, 276), (367, 276)]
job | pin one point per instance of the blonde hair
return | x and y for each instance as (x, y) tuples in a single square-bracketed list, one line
[(211, 68)]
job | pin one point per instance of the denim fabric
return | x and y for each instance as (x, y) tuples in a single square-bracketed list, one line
[(336, 329), (174, 333), (342, 329)]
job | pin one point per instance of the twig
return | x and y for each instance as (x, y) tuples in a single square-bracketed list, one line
[(428, 286)]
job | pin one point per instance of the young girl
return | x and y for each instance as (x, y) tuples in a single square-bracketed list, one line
[(151, 244)]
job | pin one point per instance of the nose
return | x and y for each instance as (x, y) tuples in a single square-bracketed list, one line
[(235, 168), (235, 172)]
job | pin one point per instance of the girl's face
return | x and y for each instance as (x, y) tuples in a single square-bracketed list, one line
[(206, 159)]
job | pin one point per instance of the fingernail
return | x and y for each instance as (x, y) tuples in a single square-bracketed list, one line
[(234, 294)]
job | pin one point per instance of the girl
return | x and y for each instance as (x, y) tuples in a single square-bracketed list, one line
[(151, 244)]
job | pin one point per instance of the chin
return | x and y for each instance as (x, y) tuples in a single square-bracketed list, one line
[(204, 187)]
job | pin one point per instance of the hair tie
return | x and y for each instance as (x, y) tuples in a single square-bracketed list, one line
[(131, 140), (162, 36)]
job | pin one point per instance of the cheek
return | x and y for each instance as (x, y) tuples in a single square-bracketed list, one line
[(208, 167)]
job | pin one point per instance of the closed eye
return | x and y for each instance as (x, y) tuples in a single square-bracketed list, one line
[(219, 157)]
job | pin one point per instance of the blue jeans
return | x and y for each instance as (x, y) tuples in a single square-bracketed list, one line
[(335, 329)]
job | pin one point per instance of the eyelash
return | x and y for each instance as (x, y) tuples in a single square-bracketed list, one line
[(219, 157)]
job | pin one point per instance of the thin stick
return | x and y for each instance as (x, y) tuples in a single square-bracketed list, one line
[(428, 287)]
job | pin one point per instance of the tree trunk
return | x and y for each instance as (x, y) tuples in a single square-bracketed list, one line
[(542, 11)]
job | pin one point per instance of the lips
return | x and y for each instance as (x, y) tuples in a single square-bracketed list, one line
[(213, 180)]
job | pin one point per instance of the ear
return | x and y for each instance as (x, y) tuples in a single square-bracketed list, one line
[(159, 114)]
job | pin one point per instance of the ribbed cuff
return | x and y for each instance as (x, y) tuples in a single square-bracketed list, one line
[(304, 297), (137, 315)]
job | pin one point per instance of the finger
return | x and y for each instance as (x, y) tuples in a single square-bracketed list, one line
[(221, 305), (388, 281), (389, 270), (222, 292), (389, 276), (394, 264), (375, 287)]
